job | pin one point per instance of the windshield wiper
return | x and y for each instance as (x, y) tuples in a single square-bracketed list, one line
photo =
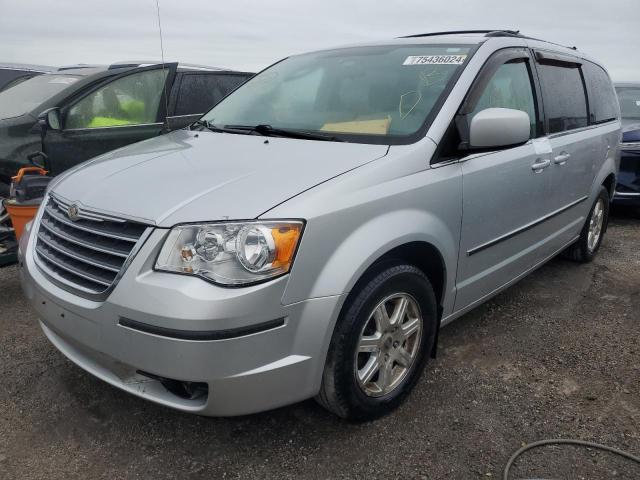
[(269, 131), (209, 126)]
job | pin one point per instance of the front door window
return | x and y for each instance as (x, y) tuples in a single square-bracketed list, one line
[(130, 100), (510, 87)]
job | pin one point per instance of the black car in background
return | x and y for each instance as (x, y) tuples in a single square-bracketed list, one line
[(628, 187), (63, 118), (14, 73)]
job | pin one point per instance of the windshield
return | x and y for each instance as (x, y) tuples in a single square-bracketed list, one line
[(629, 102), (380, 94), (27, 95)]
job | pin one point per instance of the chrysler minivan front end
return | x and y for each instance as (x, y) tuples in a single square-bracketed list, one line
[(158, 268), (176, 339)]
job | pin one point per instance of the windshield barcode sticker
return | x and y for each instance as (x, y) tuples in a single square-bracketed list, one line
[(435, 60)]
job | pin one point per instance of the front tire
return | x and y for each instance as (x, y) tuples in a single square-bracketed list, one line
[(588, 244), (380, 344)]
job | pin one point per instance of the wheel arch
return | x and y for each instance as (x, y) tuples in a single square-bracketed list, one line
[(421, 254), (610, 184)]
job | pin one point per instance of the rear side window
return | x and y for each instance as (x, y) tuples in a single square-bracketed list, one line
[(565, 101), (603, 104), (201, 91)]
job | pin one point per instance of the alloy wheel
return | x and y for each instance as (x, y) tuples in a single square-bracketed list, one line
[(389, 344), (596, 223)]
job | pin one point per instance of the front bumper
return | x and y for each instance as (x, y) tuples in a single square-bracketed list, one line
[(627, 198), (244, 374)]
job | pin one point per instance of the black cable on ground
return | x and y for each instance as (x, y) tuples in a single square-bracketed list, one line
[(564, 441)]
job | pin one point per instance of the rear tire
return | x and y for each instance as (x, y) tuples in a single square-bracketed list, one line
[(586, 247), (380, 345)]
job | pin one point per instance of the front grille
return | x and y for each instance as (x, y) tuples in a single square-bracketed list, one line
[(87, 253)]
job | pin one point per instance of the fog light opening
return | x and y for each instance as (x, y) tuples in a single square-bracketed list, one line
[(179, 388)]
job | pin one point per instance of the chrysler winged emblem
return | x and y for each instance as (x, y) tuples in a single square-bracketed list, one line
[(73, 212)]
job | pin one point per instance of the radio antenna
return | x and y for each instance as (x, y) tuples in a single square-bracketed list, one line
[(166, 100)]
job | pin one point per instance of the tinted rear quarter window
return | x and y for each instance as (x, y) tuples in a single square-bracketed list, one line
[(603, 104), (199, 92), (565, 101)]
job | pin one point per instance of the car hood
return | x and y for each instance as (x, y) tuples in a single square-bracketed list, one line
[(188, 176)]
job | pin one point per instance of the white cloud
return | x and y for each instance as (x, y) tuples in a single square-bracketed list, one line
[(250, 35)]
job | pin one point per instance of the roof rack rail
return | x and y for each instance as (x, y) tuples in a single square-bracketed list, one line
[(487, 33), (77, 67), (504, 33), (117, 65)]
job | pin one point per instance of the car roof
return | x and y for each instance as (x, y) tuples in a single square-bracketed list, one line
[(81, 70), (480, 36), (92, 73), (181, 66), (474, 37), (87, 70)]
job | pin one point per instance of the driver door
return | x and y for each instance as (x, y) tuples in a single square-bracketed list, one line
[(128, 108), (506, 193)]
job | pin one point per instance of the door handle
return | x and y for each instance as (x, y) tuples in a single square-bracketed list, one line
[(540, 165), (562, 158)]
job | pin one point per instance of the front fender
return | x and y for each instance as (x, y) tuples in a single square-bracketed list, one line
[(354, 223), (371, 240)]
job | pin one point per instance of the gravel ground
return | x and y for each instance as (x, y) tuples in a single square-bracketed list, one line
[(557, 355)]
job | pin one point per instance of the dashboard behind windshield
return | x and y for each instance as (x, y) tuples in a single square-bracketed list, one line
[(378, 94)]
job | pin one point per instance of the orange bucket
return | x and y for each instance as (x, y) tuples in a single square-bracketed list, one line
[(20, 215)]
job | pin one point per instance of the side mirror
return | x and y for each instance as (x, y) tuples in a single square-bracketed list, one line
[(50, 119), (499, 127)]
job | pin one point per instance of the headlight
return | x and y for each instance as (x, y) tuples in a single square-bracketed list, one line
[(233, 253)]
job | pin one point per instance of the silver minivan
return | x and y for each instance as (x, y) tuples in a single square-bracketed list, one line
[(311, 233)]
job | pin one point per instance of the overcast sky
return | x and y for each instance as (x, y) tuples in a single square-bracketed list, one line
[(251, 35)]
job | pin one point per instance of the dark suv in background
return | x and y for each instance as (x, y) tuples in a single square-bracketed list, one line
[(63, 118), (628, 188)]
